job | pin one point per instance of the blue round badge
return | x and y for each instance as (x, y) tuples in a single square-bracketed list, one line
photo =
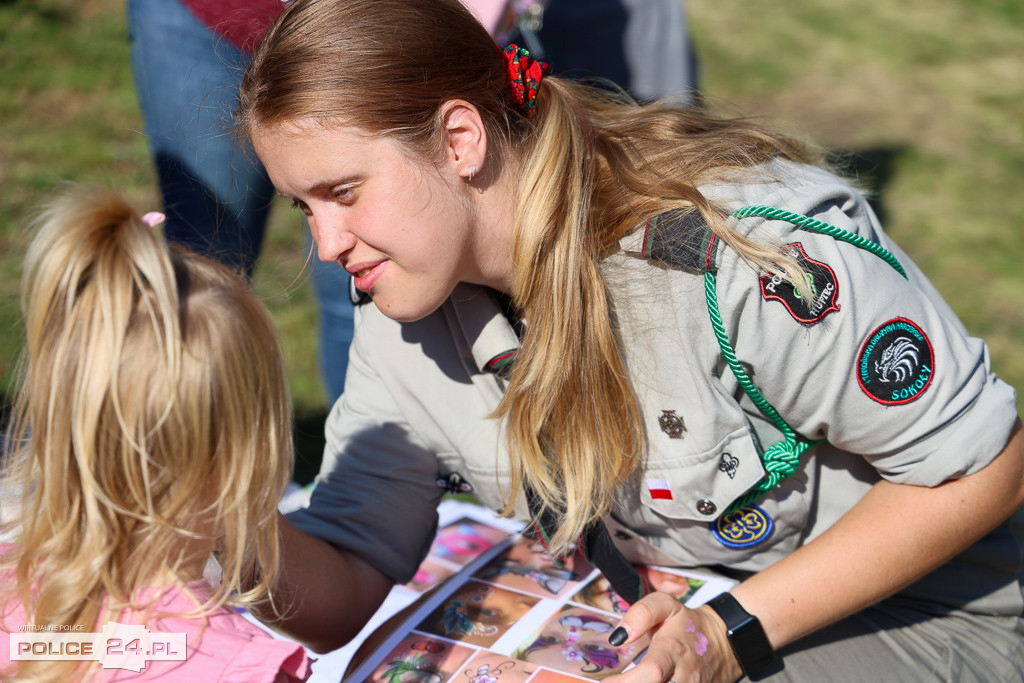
[(743, 528)]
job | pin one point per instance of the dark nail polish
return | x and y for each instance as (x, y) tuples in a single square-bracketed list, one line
[(618, 636)]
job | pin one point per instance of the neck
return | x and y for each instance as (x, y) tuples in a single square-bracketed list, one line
[(494, 206)]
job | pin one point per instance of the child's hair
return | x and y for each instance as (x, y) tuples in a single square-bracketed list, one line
[(153, 421), (590, 166)]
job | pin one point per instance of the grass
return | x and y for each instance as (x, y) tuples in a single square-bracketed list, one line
[(924, 99)]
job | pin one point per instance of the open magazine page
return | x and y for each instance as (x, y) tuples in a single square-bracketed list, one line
[(465, 531), (511, 615)]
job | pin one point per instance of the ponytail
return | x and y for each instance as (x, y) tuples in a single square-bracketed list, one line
[(573, 422)]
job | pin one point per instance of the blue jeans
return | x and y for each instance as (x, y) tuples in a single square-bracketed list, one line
[(330, 286), (216, 194)]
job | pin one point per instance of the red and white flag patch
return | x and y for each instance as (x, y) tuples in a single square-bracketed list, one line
[(659, 489)]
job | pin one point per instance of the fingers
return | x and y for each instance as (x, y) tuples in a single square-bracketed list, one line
[(686, 645), (645, 617)]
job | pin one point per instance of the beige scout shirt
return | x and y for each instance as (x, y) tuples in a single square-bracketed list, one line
[(418, 396)]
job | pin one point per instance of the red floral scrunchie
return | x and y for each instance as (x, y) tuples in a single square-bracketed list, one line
[(524, 75)]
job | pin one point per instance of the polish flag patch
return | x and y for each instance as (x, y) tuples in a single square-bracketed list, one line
[(659, 489)]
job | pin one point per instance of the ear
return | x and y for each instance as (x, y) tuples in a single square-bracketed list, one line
[(466, 142)]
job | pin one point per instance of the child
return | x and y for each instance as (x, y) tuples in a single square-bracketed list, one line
[(153, 424)]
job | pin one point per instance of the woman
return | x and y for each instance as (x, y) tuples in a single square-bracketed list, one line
[(584, 311)]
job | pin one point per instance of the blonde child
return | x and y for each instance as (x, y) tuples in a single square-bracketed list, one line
[(153, 424)]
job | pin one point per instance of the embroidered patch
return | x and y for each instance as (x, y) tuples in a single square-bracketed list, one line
[(821, 280), (659, 489), (743, 528), (671, 424), (895, 365), (728, 464)]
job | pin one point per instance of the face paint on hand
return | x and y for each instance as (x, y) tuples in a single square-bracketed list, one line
[(701, 646)]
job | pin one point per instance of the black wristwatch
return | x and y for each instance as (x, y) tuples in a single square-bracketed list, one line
[(746, 636)]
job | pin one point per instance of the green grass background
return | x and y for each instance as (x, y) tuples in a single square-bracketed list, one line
[(924, 101)]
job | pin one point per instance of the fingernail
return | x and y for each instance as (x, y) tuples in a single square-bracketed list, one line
[(618, 636)]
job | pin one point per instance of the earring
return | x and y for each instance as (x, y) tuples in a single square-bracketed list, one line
[(472, 174)]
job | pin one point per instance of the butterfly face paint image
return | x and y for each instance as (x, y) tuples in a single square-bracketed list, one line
[(478, 613), (421, 659), (489, 667), (575, 640)]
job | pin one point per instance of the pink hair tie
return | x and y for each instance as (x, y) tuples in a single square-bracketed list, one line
[(153, 218), (524, 75)]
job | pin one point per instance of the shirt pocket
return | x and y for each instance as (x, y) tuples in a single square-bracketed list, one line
[(685, 503), (701, 485)]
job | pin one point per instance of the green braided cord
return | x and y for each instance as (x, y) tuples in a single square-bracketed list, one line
[(820, 226), (781, 459), (763, 405), (790, 453)]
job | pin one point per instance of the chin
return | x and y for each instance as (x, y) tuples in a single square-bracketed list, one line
[(407, 312)]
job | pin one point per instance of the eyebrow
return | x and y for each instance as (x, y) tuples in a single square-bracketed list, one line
[(321, 186)]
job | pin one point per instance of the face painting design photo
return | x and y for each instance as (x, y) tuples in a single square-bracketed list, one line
[(489, 667), (526, 566), (463, 540), (421, 659), (478, 614), (600, 594), (575, 640)]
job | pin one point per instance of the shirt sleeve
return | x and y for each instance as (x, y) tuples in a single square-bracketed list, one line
[(876, 363), (376, 494)]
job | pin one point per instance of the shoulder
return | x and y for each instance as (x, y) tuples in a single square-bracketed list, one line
[(225, 641)]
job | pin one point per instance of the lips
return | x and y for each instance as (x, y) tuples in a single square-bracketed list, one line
[(364, 275)]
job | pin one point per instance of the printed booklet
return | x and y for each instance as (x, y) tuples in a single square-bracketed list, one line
[(487, 606)]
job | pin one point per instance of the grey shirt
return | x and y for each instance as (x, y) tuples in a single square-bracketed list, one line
[(877, 366)]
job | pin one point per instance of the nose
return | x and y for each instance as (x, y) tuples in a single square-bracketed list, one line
[(333, 240)]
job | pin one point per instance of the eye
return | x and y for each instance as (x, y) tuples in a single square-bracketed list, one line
[(344, 194), (301, 206)]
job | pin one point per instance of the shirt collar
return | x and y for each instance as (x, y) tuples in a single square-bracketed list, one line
[(490, 334)]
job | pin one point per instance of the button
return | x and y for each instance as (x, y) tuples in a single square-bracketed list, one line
[(706, 506)]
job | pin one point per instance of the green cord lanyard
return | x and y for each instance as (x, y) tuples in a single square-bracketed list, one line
[(781, 459)]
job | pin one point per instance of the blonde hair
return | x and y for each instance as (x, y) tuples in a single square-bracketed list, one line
[(153, 422), (591, 166)]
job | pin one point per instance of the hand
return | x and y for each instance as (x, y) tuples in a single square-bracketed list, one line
[(687, 645)]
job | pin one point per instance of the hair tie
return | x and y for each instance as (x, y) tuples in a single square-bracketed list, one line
[(153, 218), (524, 75)]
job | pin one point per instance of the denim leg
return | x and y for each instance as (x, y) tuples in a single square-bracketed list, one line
[(643, 46), (216, 194), (330, 286)]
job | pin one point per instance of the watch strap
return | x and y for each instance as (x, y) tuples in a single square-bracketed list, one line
[(746, 635)]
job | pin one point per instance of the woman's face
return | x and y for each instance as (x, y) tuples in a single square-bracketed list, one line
[(401, 227)]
